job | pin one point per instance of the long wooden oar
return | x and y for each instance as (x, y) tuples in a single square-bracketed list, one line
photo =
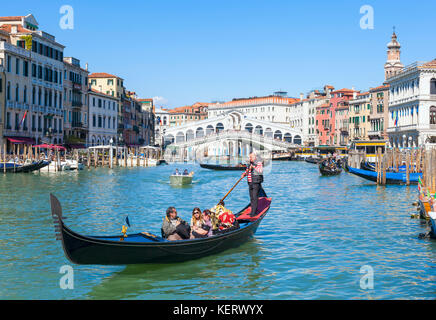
[(242, 177)]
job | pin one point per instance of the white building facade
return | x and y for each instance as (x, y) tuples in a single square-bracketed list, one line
[(103, 118), (412, 105)]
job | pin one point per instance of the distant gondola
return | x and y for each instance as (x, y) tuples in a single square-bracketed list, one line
[(329, 171), (313, 160), (240, 167), (391, 177), (148, 248)]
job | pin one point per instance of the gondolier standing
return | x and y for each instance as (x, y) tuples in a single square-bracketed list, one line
[(254, 175)]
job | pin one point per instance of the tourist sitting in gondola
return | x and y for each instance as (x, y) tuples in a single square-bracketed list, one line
[(173, 227), (196, 223), (201, 225)]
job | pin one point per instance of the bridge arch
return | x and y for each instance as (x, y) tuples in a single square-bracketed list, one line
[(278, 135), (258, 130), (199, 133), (297, 140), (190, 135), (180, 137), (210, 129), (249, 127), (287, 137), (219, 127)]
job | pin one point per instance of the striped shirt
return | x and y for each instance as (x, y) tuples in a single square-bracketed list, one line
[(258, 168)]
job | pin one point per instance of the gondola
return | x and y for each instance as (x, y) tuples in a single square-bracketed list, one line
[(240, 167), (391, 177), (19, 168), (313, 160), (144, 247), (329, 171)]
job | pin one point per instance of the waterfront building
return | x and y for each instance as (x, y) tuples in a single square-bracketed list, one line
[(103, 118), (412, 105), (339, 110), (379, 113), (114, 86), (324, 126), (186, 114), (75, 102), (274, 108), (2, 101), (33, 62), (148, 121), (162, 120), (359, 114)]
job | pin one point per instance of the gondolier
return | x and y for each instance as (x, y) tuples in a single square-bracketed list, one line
[(254, 175)]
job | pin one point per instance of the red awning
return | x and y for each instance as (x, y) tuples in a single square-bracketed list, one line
[(21, 140), (50, 146)]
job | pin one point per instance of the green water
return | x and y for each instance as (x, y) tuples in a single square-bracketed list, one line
[(317, 235)]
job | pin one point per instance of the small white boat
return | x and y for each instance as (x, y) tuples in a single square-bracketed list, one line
[(70, 164), (181, 179)]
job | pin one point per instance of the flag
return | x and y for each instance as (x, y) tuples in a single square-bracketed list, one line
[(24, 117)]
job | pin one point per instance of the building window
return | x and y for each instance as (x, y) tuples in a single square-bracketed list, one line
[(433, 115), (433, 86)]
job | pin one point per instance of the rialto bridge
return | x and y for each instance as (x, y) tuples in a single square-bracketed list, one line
[(231, 135)]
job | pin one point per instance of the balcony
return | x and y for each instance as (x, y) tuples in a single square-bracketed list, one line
[(77, 125), (77, 104)]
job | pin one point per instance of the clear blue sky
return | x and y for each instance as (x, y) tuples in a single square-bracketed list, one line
[(187, 51)]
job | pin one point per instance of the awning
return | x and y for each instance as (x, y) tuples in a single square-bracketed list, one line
[(51, 146), (21, 140)]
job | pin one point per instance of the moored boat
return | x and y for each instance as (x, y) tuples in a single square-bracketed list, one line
[(391, 177), (240, 167), (148, 248)]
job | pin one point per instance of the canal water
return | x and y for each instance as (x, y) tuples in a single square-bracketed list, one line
[(319, 234)]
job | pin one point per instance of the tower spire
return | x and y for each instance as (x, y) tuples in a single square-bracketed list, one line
[(393, 64)]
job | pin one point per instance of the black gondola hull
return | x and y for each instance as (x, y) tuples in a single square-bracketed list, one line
[(82, 249), (222, 167)]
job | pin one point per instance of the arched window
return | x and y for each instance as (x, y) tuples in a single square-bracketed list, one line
[(432, 115)]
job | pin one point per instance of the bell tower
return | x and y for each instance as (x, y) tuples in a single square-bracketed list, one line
[(393, 65)]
